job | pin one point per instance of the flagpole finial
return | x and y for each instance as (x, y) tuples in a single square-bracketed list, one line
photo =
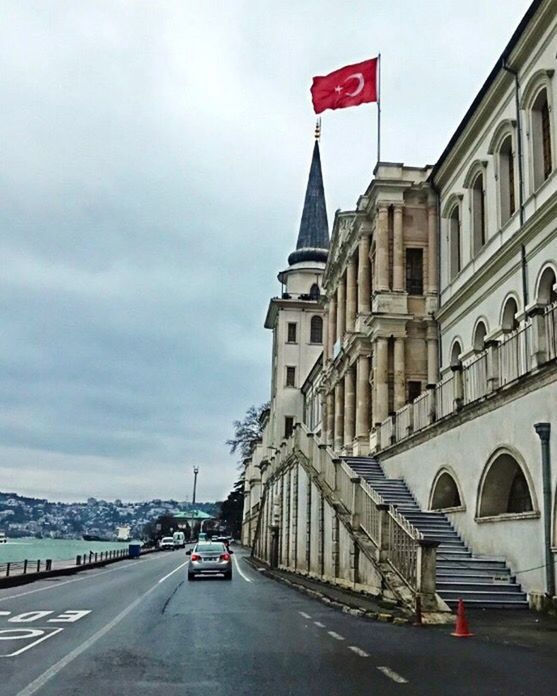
[(318, 129)]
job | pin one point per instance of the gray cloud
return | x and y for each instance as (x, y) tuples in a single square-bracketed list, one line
[(154, 159)]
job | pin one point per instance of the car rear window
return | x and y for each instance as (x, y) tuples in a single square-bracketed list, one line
[(207, 548)]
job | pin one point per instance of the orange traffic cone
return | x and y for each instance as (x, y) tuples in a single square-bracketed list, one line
[(461, 629)]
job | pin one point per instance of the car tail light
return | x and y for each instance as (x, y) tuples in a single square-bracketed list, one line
[(195, 557), (225, 557)]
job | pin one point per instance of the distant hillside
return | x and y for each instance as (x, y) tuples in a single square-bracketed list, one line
[(25, 516)]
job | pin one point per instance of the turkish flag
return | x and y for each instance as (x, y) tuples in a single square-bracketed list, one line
[(349, 86)]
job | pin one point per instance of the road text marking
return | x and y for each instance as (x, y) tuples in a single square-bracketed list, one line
[(388, 672), (358, 651), (335, 635), (240, 570), (303, 613), (36, 635)]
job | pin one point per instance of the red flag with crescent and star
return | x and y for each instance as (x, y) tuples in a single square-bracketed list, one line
[(349, 86)]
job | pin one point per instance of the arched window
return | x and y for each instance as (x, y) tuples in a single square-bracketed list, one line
[(505, 489), (455, 354), (546, 287), (479, 336), (316, 330), (454, 241), (509, 322), (314, 292), (478, 213), (541, 138), (445, 493), (507, 193)]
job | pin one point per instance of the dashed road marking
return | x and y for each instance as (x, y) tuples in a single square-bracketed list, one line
[(358, 651), (173, 571), (319, 624), (244, 576), (388, 672), (335, 635), (303, 613)]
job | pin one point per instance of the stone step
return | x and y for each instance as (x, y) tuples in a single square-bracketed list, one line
[(469, 564), (489, 595), (444, 586), (490, 604)]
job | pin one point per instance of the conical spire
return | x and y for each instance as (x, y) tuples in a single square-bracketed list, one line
[(313, 237)]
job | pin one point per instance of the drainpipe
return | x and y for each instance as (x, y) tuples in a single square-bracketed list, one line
[(543, 430), (439, 343)]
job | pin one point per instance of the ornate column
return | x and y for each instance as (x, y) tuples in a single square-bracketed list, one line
[(341, 308), (398, 250), (349, 396), (382, 249), (351, 294), (381, 380), (364, 276), (400, 373), (330, 418), (362, 397), (432, 250), (331, 325), (339, 417)]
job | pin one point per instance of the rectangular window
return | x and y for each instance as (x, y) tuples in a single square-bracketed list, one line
[(288, 426), (414, 390), (546, 140), (290, 376), (291, 333), (414, 272)]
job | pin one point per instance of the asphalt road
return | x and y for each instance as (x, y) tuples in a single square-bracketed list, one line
[(138, 627)]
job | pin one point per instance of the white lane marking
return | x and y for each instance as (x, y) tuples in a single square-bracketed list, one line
[(51, 632), (29, 616), (319, 624), (335, 635), (83, 577), (52, 671), (70, 616), (303, 613), (388, 672), (358, 651), (240, 570), (173, 571)]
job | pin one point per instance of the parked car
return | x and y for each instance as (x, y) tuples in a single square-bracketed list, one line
[(210, 558), (167, 544)]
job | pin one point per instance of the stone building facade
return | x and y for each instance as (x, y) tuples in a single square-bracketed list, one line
[(381, 287)]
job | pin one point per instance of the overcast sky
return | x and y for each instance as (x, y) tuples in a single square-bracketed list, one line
[(153, 162)]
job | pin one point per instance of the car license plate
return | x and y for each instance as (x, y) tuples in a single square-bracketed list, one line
[(212, 558)]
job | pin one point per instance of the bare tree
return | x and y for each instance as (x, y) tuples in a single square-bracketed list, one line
[(248, 431)]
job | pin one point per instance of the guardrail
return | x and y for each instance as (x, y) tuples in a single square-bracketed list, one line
[(502, 363), (28, 566)]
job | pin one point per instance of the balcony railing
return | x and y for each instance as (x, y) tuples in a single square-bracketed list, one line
[(500, 364)]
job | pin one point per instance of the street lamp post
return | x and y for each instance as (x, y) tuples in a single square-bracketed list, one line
[(195, 472)]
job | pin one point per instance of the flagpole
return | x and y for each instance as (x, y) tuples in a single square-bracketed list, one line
[(378, 108)]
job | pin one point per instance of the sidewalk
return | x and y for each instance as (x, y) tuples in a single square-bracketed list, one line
[(520, 627)]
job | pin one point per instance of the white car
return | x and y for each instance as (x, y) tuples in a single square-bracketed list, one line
[(167, 544)]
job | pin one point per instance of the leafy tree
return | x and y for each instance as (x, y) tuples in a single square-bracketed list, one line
[(247, 432), (231, 509)]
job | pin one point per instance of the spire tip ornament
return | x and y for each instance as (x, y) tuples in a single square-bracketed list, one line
[(318, 130)]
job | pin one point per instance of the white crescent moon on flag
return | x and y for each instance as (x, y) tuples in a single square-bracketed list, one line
[(359, 88)]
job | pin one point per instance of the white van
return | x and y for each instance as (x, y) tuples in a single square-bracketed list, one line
[(179, 540)]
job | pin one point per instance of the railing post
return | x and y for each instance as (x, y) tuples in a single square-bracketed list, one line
[(356, 502), (458, 400), (410, 426), (48, 564), (39, 566), (492, 365), (384, 532), (7, 569), (426, 571), (336, 463), (25, 567), (322, 450), (538, 349), (96, 556), (393, 428), (431, 403)]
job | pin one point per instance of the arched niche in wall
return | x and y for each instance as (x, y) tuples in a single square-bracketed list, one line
[(505, 487), (545, 292), (479, 334), (445, 492), (509, 322)]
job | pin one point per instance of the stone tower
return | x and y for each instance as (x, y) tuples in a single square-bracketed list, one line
[(296, 317)]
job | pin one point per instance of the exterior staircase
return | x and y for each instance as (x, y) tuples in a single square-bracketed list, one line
[(481, 581)]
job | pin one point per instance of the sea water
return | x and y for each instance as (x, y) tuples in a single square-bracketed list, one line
[(55, 549)]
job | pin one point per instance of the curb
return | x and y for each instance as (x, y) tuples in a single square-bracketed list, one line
[(383, 617)]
